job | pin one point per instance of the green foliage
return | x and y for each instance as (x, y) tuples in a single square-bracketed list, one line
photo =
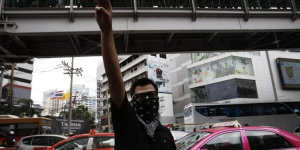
[(80, 113), (24, 108)]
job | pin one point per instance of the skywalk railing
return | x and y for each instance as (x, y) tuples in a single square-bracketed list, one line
[(174, 4), (247, 7)]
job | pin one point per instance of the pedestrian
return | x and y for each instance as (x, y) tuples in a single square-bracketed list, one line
[(10, 139), (136, 124)]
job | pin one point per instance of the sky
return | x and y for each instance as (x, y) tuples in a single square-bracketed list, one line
[(47, 75)]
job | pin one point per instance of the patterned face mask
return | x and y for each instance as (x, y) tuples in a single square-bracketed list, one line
[(146, 106)]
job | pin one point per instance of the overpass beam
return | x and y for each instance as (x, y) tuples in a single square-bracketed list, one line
[(194, 13), (1, 11), (169, 40), (246, 9), (19, 41), (74, 44), (5, 51), (71, 11), (135, 16), (211, 37), (294, 10), (126, 40)]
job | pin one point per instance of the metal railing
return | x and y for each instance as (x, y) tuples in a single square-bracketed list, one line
[(246, 8), (176, 4)]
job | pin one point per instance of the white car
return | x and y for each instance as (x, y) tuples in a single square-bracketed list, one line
[(39, 141), (178, 134)]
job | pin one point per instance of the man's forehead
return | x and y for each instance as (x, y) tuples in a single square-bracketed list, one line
[(144, 89)]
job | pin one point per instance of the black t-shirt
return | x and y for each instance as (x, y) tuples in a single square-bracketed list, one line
[(130, 134)]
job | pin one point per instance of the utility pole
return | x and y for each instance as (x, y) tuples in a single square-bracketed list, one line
[(70, 70), (108, 116), (3, 68), (1, 79), (11, 90), (272, 77)]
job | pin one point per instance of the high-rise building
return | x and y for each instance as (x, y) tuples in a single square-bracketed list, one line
[(47, 102), (22, 77), (80, 95), (134, 67), (53, 104), (178, 75), (100, 99), (230, 78)]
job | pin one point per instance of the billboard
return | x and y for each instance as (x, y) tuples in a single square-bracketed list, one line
[(289, 73), (158, 72), (231, 65)]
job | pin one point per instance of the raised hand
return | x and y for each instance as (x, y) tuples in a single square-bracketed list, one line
[(104, 15)]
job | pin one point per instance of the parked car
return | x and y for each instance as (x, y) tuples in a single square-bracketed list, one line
[(91, 141), (239, 138), (178, 134), (39, 142)]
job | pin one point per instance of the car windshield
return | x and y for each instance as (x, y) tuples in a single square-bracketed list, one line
[(191, 139)]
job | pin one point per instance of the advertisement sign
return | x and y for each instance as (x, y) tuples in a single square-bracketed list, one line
[(221, 68), (158, 72), (289, 72)]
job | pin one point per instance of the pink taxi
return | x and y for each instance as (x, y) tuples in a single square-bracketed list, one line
[(240, 138)]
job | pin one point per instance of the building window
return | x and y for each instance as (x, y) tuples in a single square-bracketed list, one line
[(229, 89), (163, 56)]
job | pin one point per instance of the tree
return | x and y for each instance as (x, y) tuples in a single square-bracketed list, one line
[(81, 113), (23, 108)]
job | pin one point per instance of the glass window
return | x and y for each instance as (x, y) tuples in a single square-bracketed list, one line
[(265, 140), (53, 140), (103, 142), (163, 56), (228, 89), (78, 144), (40, 140), (190, 140), (282, 109), (27, 141), (202, 110), (227, 141), (188, 112), (246, 88)]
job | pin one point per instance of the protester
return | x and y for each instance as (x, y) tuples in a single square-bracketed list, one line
[(136, 123)]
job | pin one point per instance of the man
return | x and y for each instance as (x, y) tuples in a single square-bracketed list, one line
[(136, 124)]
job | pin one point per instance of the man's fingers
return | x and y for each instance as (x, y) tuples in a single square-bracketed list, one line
[(104, 3), (109, 7), (101, 11)]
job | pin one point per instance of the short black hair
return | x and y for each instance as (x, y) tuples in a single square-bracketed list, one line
[(142, 82)]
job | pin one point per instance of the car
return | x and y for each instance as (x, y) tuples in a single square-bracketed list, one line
[(39, 142), (90, 141), (178, 134), (239, 138)]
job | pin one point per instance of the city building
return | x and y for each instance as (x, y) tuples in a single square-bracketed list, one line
[(233, 77), (100, 99), (22, 77), (134, 67), (54, 103), (243, 77), (80, 95), (178, 75)]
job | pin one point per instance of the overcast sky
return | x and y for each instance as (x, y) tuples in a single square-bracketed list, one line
[(47, 74)]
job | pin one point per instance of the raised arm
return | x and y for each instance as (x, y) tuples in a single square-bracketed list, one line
[(109, 52)]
